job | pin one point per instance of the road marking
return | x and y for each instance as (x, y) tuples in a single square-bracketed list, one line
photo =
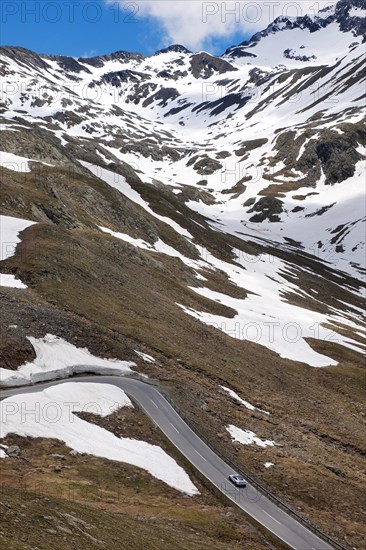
[(200, 455), (172, 425), (153, 402), (274, 519)]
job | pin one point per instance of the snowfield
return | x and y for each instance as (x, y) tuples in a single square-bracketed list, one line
[(52, 417), (265, 316), (9, 238), (57, 358)]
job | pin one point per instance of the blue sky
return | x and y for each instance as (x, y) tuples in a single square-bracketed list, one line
[(86, 28), (94, 27)]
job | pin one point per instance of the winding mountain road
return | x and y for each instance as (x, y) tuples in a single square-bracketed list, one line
[(157, 408)]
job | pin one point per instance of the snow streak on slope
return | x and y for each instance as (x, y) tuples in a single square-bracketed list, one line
[(246, 404), (54, 418), (266, 318), (9, 238), (119, 182)]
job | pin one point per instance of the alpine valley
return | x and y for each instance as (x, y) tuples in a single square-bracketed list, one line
[(200, 219)]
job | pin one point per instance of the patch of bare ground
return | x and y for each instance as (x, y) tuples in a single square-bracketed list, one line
[(32, 521), (280, 188), (46, 473)]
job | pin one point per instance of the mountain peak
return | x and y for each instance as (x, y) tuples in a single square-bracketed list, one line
[(177, 48)]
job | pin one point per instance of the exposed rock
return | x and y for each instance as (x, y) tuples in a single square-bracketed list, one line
[(13, 451), (206, 166), (161, 97), (204, 65), (267, 208)]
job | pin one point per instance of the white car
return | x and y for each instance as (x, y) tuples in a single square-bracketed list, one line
[(238, 480)]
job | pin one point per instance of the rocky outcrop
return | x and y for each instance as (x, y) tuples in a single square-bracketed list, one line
[(266, 208), (204, 65)]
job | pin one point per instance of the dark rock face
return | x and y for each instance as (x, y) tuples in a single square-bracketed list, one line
[(347, 22), (335, 153), (141, 91), (162, 96), (120, 56), (117, 78), (207, 166), (25, 56), (13, 451), (290, 54), (238, 52), (69, 118), (266, 208), (68, 64), (176, 110), (204, 65), (220, 105), (338, 159)]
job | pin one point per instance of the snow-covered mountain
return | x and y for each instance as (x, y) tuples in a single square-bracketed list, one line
[(265, 144), (272, 130)]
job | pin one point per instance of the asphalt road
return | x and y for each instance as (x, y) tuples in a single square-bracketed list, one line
[(252, 502)]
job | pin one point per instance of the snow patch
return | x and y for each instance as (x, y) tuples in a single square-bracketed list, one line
[(3, 451), (10, 281), (246, 437), (16, 162), (10, 228), (57, 358)]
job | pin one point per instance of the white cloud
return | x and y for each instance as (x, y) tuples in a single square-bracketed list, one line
[(196, 23)]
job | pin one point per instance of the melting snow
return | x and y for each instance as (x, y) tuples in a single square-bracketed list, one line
[(145, 356), (10, 228), (246, 437), (57, 358)]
